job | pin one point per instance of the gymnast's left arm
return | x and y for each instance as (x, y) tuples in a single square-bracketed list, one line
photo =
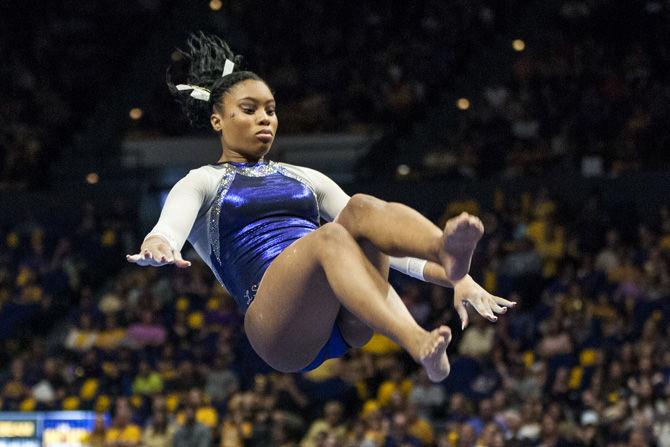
[(332, 199)]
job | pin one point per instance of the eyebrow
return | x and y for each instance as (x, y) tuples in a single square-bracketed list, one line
[(254, 99)]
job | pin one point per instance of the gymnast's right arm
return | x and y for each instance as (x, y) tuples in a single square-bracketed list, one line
[(163, 244)]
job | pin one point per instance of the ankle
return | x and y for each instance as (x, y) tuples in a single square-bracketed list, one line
[(415, 344), (438, 252)]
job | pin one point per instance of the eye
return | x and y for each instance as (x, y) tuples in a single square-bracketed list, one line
[(271, 112)]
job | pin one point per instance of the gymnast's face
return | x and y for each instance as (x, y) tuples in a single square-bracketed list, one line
[(247, 120)]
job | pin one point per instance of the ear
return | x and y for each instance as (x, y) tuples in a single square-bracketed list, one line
[(216, 121)]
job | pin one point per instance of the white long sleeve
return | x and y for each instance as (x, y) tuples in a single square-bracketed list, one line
[(188, 200), (185, 213)]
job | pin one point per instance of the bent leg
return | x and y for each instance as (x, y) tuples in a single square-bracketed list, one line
[(354, 331), (398, 230), (299, 298)]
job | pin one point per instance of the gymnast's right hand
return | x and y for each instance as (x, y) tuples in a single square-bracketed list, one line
[(157, 252)]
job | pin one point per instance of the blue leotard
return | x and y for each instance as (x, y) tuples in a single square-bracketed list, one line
[(240, 216), (259, 210)]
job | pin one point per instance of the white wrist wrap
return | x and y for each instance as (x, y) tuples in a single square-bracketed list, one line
[(409, 266)]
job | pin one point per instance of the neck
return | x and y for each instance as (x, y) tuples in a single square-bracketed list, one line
[(238, 157)]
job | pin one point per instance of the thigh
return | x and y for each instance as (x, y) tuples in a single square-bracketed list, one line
[(293, 313)]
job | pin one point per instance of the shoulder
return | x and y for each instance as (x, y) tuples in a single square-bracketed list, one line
[(202, 178), (314, 177), (298, 169), (205, 171)]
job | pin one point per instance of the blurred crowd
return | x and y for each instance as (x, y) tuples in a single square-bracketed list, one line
[(582, 361), (588, 92), (586, 89), (345, 67), (59, 61), (545, 86)]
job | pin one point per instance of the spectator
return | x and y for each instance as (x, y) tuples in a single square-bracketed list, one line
[(477, 341), (98, 435), (15, 389), (52, 386), (398, 434), (159, 432), (428, 397), (331, 425), (147, 382), (123, 432), (146, 332), (191, 433), (220, 380)]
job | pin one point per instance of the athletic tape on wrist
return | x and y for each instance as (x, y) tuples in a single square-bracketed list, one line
[(415, 268), (409, 266)]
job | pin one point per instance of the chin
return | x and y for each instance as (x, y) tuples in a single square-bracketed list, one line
[(263, 149)]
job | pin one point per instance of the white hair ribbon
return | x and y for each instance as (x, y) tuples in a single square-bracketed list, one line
[(228, 67), (202, 93), (198, 92)]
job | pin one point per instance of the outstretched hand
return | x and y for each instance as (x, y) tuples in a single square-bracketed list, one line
[(467, 291), (157, 252)]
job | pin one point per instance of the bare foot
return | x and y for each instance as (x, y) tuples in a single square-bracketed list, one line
[(461, 234), (433, 354)]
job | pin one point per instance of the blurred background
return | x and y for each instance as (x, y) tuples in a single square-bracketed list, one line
[(548, 119)]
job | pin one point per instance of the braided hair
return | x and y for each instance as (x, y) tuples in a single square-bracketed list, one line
[(207, 55)]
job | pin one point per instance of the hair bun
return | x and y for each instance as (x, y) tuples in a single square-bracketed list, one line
[(208, 56)]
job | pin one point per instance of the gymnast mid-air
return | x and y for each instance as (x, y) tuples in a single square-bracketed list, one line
[(309, 292)]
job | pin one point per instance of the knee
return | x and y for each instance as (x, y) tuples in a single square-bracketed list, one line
[(356, 333), (358, 206), (333, 233), (333, 236), (359, 337)]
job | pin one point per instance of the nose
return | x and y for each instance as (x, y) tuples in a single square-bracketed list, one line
[(264, 118)]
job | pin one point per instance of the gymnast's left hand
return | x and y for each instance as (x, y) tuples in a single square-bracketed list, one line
[(487, 305)]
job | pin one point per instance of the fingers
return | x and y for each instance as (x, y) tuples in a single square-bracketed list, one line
[(143, 259), (504, 302), (498, 309), (179, 261), (165, 254), (483, 309), (137, 259), (153, 256), (462, 314), (133, 258), (158, 255)]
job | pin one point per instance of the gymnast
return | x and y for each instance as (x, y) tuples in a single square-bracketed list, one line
[(309, 292)]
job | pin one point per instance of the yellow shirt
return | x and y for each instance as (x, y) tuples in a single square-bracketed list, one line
[(388, 387), (551, 249), (131, 433), (423, 431), (206, 415), (150, 438), (110, 338)]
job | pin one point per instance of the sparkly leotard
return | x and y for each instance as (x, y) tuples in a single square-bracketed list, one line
[(259, 210), (240, 216)]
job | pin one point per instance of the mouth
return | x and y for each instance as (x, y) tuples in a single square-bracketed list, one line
[(264, 136)]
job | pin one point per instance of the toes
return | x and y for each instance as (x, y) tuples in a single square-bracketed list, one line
[(445, 334)]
